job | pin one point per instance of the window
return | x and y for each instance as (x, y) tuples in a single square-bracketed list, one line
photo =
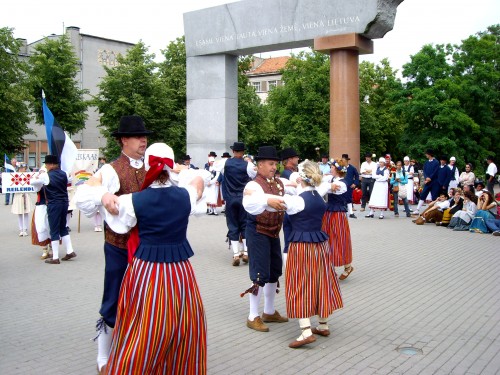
[(256, 86), (272, 84)]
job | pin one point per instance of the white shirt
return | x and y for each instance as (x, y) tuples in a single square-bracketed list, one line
[(367, 166), (492, 169), (256, 202)]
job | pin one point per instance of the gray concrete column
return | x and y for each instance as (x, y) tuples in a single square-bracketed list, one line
[(212, 105)]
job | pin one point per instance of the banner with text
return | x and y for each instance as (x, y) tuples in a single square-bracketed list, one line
[(85, 165), (17, 182)]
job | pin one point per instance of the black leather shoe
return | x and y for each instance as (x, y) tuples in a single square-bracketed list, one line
[(372, 216), (352, 216)]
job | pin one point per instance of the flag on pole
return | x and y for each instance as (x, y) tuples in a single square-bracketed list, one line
[(6, 164), (59, 142)]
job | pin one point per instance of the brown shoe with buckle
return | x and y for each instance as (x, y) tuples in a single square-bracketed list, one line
[(257, 324), (236, 261), (69, 256), (346, 273), (298, 343), (274, 318), (321, 332), (52, 261)]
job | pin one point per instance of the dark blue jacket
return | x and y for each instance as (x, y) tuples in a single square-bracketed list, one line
[(235, 177), (57, 189), (444, 176), (431, 168)]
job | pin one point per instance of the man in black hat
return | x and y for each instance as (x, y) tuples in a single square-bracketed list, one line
[(263, 200), (122, 176), (367, 181), (290, 160), (431, 185), (211, 157), (351, 180), (237, 172), (186, 160), (324, 165), (56, 190)]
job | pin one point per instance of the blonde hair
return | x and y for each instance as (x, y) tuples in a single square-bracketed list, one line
[(311, 173)]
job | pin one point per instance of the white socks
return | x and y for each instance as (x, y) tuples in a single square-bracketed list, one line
[(305, 325), (22, 220), (349, 207), (254, 305), (323, 324), (235, 245), (66, 240), (245, 249), (269, 296), (55, 249), (419, 206), (371, 211), (104, 346)]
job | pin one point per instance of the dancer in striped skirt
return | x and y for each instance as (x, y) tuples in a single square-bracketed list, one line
[(160, 325), (311, 283), (335, 222)]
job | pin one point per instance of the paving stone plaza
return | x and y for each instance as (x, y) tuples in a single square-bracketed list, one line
[(424, 287)]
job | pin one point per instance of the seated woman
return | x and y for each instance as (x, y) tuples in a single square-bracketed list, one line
[(487, 209), (434, 212), (456, 204), (462, 219)]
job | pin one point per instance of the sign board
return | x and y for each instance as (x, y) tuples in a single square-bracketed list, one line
[(85, 166), (17, 182)]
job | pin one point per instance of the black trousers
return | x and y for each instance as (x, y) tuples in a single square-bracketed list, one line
[(366, 188)]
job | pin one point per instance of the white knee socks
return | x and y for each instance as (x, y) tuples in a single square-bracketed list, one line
[(254, 305), (55, 249), (235, 245), (66, 240), (349, 207), (104, 346), (269, 295)]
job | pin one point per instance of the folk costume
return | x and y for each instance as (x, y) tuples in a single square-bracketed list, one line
[(237, 173), (431, 169), (286, 154), (40, 234), (160, 325), (335, 223), (56, 182), (125, 175), (212, 190), (410, 186), (351, 178), (455, 174), (21, 206), (379, 199), (264, 249), (311, 283)]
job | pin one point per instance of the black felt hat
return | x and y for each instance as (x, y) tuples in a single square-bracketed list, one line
[(226, 155), (288, 153), (430, 152), (186, 157), (131, 126), (238, 146), (345, 156), (368, 154), (267, 153), (212, 153), (51, 159)]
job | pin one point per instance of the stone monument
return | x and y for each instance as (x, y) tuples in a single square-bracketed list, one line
[(216, 36)]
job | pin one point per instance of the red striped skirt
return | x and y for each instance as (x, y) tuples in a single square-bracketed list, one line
[(335, 224), (312, 287), (160, 325)]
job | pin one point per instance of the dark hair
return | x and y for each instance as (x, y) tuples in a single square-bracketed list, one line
[(470, 195), (490, 196), (469, 165), (163, 177)]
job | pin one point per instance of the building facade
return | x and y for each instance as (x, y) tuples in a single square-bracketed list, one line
[(93, 54), (266, 74)]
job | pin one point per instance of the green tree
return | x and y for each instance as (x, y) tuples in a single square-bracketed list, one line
[(132, 87), (254, 127), (14, 94), (300, 108), (54, 68), (380, 127), (451, 99)]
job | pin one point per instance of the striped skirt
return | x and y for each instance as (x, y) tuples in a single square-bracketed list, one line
[(335, 224), (160, 325), (311, 286)]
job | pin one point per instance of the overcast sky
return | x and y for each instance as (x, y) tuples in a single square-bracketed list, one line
[(157, 23)]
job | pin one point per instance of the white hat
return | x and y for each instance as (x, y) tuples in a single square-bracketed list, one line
[(381, 160), (161, 150), (406, 158), (453, 158)]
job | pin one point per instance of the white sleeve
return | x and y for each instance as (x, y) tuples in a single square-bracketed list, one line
[(251, 171), (125, 220), (88, 198), (256, 202), (43, 179), (193, 195), (294, 204)]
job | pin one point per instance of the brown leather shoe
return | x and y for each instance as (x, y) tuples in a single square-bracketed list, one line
[(298, 343), (257, 324), (321, 332), (274, 318), (236, 261), (346, 273), (69, 256), (244, 258), (52, 261)]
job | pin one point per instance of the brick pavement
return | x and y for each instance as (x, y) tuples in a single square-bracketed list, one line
[(421, 286)]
